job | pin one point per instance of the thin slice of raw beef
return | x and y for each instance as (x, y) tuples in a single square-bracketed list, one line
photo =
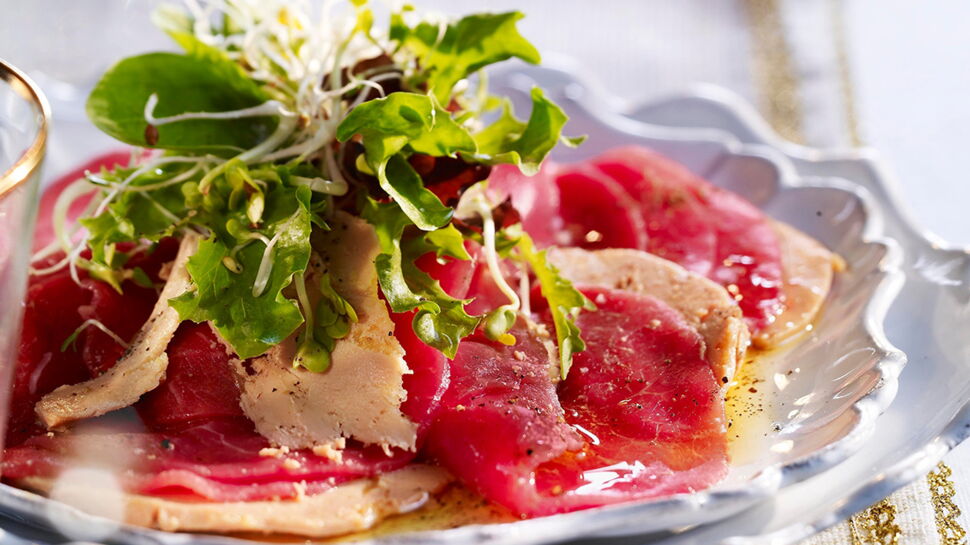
[(597, 212), (123, 313), (634, 198), (218, 460), (639, 416), (50, 318), (704, 228), (199, 383), (55, 307), (500, 417), (647, 403)]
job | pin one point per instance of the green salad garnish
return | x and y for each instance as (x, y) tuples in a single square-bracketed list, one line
[(271, 121)]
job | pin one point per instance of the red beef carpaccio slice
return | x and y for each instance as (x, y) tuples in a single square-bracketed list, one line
[(635, 198), (639, 415)]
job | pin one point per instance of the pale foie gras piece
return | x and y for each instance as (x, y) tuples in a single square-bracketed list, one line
[(808, 269), (140, 369), (349, 507), (703, 303), (360, 396)]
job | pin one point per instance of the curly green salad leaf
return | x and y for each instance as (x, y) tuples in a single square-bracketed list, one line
[(565, 303), (468, 45), (412, 122), (244, 301), (252, 126), (525, 145), (440, 320)]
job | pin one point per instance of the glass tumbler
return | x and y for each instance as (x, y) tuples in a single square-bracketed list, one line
[(24, 120)]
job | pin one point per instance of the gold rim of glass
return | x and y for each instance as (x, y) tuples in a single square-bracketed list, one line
[(29, 161)]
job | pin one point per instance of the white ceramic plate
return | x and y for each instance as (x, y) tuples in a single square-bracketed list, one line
[(843, 374), (928, 320)]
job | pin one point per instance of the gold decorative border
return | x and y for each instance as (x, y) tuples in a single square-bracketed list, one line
[(876, 525), (774, 70), (30, 160), (945, 510), (839, 36)]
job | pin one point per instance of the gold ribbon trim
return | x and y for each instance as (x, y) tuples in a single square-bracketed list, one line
[(774, 70), (944, 509), (837, 8), (876, 525)]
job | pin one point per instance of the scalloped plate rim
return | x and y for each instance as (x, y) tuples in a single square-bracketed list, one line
[(893, 359), (923, 460)]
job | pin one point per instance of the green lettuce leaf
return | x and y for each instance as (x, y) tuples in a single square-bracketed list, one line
[(404, 185), (440, 320), (252, 324), (138, 213), (468, 45), (442, 328), (413, 122), (205, 82), (565, 302), (398, 116), (524, 144), (448, 241), (446, 137), (132, 216)]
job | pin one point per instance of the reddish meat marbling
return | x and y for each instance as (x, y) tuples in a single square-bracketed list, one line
[(199, 383), (597, 212), (500, 417), (218, 460)]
